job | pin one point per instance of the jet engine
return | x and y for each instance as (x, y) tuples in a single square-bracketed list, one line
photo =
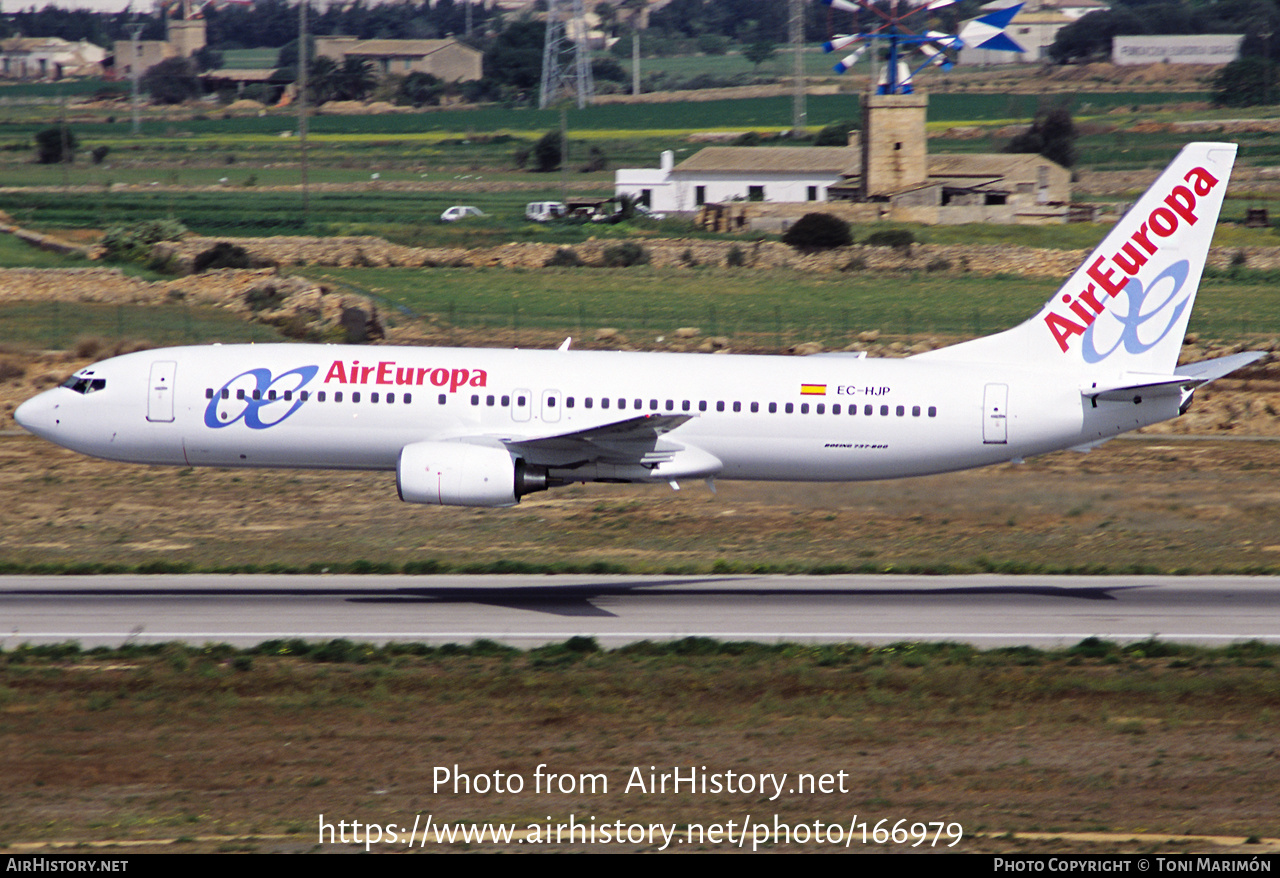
[(462, 474)]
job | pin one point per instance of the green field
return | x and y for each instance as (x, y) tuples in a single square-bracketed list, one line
[(57, 325), (768, 308)]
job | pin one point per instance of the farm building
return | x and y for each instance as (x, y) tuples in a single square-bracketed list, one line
[(448, 60), (184, 37), (49, 58), (888, 175)]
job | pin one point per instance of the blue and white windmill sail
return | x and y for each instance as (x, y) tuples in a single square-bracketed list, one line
[(934, 48), (988, 32)]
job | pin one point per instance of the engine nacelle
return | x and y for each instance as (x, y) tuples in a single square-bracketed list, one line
[(462, 474)]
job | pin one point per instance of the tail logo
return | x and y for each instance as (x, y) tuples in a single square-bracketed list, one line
[(1119, 274), (1140, 312)]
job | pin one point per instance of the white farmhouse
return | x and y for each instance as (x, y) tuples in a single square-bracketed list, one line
[(720, 174)]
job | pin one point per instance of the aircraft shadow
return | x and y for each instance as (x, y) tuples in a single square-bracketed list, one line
[(576, 599)]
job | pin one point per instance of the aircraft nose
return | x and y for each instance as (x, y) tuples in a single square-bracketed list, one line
[(38, 415)]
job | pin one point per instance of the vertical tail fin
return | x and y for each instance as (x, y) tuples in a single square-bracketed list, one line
[(1126, 308)]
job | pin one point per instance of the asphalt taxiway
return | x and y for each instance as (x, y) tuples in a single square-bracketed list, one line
[(985, 610)]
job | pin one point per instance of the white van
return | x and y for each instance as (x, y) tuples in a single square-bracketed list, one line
[(544, 211)]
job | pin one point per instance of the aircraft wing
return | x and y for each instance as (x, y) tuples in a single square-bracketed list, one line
[(633, 440)]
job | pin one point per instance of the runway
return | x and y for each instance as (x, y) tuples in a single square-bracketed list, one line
[(984, 610)]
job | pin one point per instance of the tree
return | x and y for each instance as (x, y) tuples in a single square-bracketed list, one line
[(759, 52), (547, 152), (1052, 135), (420, 90), (1090, 37), (1245, 82), (355, 79), (172, 81), (322, 80), (55, 145), (515, 58)]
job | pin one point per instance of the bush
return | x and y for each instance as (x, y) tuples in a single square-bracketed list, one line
[(900, 238), (713, 44), (547, 152), (735, 258), (223, 254), (99, 153), (625, 255), (264, 297), (564, 257), (818, 231), (132, 243), (54, 145), (835, 134)]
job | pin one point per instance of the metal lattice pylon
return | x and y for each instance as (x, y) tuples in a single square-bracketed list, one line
[(566, 63)]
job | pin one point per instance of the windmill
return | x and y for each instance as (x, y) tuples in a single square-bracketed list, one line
[(911, 50)]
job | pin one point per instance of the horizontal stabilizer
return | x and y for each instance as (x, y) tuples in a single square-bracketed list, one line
[(1189, 377), (1211, 370)]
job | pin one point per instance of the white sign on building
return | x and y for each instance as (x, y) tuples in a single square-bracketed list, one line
[(1201, 49)]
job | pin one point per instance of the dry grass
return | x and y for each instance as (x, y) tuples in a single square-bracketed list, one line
[(189, 743)]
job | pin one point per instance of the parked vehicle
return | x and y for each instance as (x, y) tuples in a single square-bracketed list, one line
[(544, 211), (458, 211)]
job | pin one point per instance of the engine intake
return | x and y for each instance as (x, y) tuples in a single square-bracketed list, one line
[(462, 474)]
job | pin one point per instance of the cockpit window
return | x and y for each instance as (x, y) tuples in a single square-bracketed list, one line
[(81, 384)]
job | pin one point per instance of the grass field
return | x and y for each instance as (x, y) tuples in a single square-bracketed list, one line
[(769, 307), (217, 749), (56, 325)]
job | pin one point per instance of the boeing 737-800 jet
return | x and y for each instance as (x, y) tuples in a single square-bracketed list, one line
[(479, 427)]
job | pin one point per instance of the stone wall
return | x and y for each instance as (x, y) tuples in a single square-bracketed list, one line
[(679, 252)]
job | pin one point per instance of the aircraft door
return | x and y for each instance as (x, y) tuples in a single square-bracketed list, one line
[(160, 391), (550, 406), (995, 404), (521, 405)]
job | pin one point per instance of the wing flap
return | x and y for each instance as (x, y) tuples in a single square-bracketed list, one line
[(629, 441)]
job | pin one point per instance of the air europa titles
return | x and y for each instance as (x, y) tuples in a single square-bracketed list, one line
[(390, 372), (1110, 276)]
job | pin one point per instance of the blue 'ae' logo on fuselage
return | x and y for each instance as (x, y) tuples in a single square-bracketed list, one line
[(1132, 320), (257, 398)]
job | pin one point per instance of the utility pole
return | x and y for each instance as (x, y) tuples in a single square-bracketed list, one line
[(799, 114), (135, 31), (302, 110)]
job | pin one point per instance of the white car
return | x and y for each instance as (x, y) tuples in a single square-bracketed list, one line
[(457, 212)]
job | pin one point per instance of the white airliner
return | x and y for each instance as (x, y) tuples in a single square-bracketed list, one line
[(478, 427)]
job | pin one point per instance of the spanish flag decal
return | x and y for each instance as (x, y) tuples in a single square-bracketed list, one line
[(813, 390)]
